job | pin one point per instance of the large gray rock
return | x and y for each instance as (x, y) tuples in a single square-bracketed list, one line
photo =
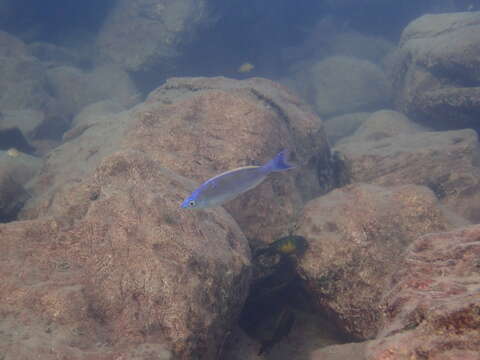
[(338, 127), (27, 121), (22, 77), (340, 84), (383, 124), (142, 34), (75, 88), (16, 169), (436, 70)]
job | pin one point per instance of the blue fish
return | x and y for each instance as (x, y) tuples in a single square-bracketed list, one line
[(228, 185)]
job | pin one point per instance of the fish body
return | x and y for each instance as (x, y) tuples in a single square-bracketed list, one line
[(287, 245), (13, 152), (246, 67), (290, 244), (228, 185)]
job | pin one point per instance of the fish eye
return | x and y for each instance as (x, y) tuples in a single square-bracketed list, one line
[(191, 203)]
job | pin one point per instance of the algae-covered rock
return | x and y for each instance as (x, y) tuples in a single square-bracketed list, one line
[(447, 162), (435, 70), (357, 235)]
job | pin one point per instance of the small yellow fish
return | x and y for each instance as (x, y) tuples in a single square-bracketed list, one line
[(287, 245), (246, 67), (13, 152), (287, 248)]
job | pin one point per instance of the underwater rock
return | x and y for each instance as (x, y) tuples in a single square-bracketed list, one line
[(12, 137), (53, 55), (340, 85), (22, 77), (27, 121), (199, 127), (210, 125), (74, 89), (356, 236), (10, 46), (435, 70), (331, 36), (122, 267), (338, 127), (447, 162), (350, 351), (383, 124), (432, 302), (145, 34), (16, 169), (90, 115)]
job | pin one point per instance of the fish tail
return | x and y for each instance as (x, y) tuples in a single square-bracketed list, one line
[(279, 163)]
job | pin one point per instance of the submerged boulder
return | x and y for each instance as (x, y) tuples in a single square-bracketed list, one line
[(121, 268), (432, 303), (338, 127), (126, 266), (340, 84), (357, 235), (200, 127), (144, 34), (22, 77), (435, 70), (74, 88), (447, 162)]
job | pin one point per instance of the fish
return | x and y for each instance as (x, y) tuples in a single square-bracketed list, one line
[(228, 185), (245, 67), (286, 245), (13, 152)]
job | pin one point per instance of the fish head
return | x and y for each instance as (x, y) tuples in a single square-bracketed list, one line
[(189, 203), (194, 201)]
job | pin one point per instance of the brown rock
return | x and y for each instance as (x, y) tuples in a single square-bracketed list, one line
[(108, 236), (352, 351), (200, 127), (123, 266), (433, 300), (357, 235), (447, 162)]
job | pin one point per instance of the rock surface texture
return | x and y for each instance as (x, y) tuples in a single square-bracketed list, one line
[(433, 300), (435, 70), (143, 34), (200, 128), (447, 162), (357, 235)]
